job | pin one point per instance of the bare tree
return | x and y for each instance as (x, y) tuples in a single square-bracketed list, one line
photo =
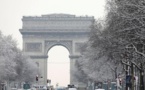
[(125, 23), (14, 65), (92, 62)]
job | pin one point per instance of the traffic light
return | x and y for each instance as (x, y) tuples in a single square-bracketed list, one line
[(37, 78), (120, 81), (48, 81)]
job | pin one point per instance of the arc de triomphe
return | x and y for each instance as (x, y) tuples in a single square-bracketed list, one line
[(40, 33)]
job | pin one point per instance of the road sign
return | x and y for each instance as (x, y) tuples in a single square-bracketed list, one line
[(26, 86)]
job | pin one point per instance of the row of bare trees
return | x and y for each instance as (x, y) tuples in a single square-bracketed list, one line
[(118, 44), (14, 64)]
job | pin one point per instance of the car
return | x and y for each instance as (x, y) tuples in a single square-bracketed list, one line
[(60, 88), (71, 87), (13, 88), (33, 88), (99, 89)]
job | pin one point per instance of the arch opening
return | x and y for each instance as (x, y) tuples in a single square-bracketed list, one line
[(58, 66)]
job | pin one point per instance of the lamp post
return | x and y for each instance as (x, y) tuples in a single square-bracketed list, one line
[(129, 69)]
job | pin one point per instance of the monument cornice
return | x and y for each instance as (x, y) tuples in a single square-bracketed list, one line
[(28, 31), (36, 57), (74, 56), (56, 18)]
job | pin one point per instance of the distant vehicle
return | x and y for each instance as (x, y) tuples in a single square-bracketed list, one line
[(60, 88), (13, 88), (33, 88), (45, 88), (71, 87), (39, 87), (99, 89)]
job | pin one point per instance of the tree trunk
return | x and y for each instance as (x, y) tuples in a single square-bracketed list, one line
[(132, 79), (141, 78), (0, 85), (126, 88)]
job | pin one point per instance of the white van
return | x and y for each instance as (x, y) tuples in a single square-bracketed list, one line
[(72, 88), (99, 89)]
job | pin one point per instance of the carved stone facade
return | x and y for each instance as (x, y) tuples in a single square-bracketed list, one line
[(33, 47), (41, 33)]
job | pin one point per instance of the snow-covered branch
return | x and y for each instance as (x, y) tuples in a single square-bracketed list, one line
[(136, 65), (125, 63), (138, 51)]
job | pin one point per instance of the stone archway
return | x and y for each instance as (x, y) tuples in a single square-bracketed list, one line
[(40, 33), (58, 65)]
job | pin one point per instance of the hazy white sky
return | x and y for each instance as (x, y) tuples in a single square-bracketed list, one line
[(59, 66), (12, 11)]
